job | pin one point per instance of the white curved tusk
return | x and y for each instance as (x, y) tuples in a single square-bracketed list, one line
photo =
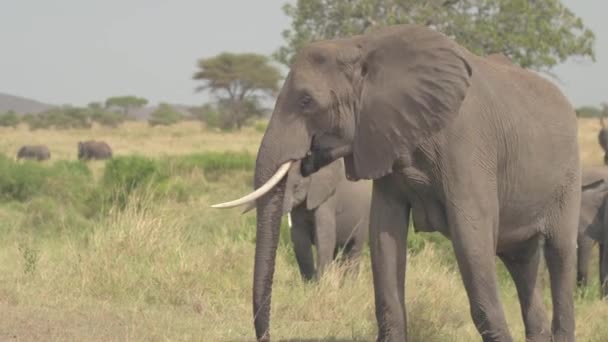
[(261, 191), (289, 219)]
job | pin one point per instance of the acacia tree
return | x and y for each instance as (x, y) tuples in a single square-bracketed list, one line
[(126, 103), (534, 34), (239, 82)]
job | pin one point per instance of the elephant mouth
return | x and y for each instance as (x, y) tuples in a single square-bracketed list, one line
[(314, 160), (259, 192)]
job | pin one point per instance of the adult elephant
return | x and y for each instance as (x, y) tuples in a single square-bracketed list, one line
[(602, 138), (593, 225), (93, 149), (482, 151), (34, 152), (330, 212)]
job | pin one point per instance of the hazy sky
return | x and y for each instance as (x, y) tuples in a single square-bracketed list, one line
[(78, 51)]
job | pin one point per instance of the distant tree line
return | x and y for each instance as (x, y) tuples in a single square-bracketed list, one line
[(116, 110), (592, 111)]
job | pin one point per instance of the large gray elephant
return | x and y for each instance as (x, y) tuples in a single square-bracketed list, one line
[(93, 149), (593, 225), (602, 138), (330, 212), (34, 152), (484, 152)]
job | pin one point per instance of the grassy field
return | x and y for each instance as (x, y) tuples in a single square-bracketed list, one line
[(79, 263)]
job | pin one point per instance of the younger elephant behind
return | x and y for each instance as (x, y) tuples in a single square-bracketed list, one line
[(593, 225), (602, 138), (34, 152), (329, 212), (93, 149)]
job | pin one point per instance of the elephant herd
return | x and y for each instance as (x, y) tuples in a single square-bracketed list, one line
[(87, 150), (474, 147)]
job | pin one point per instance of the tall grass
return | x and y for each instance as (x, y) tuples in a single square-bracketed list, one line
[(77, 264)]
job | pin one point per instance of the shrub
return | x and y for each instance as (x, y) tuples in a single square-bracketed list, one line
[(260, 126), (164, 115), (20, 182), (214, 161), (60, 118), (9, 119), (107, 118), (123, 175)]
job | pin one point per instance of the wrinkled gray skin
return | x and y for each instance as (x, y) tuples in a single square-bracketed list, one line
[(593, 225), (92, 149), (602, 138), (35, 152), (482, 151), (329, 212)]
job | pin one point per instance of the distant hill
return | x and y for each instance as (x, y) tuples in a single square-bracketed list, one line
[(21, 105)]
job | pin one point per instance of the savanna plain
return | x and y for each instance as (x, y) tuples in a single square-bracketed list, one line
[(129, 250)]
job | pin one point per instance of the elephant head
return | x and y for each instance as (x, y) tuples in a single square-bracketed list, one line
[(593, 222), (314, 189), (593, 200), (375, 97)]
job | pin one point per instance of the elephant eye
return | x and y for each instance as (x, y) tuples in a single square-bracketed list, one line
[(305, 101)]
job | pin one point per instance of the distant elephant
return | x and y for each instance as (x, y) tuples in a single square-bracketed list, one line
[(602, 138), (593, 225), (330, 212), (482, 151), (35, 152), (93, 149)]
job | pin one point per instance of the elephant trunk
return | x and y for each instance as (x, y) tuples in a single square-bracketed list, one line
[(269, 212), (282, 142)]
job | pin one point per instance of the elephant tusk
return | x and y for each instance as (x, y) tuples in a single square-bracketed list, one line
[(261, 191), (289, 219)]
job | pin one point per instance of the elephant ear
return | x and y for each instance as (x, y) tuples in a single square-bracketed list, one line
[(296, 188), (323, 183), (413, 82), (595, 197)]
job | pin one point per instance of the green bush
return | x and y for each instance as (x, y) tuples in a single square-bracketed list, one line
[(260, 126), (214, 161), (20, 181), (9, 119), (60, 118), (124, 175), (107, 118), (164, 115)]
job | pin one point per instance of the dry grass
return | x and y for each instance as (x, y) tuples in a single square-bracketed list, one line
[(133, 137), (163, 270)]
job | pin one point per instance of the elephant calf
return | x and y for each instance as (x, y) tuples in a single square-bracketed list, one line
[(93, 149), (330, 212), (602, 138), (34, 152), (593, 225)]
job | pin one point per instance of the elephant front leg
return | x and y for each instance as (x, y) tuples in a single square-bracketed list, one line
[(325, 234), (473, 221), (387, 239), (301, 237)]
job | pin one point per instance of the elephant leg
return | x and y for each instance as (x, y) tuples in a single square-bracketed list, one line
[(583, 256), (472, 215), (325, 234), (560, 255), (387, 239), (523, 266), (301, 237), (603, 270)]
